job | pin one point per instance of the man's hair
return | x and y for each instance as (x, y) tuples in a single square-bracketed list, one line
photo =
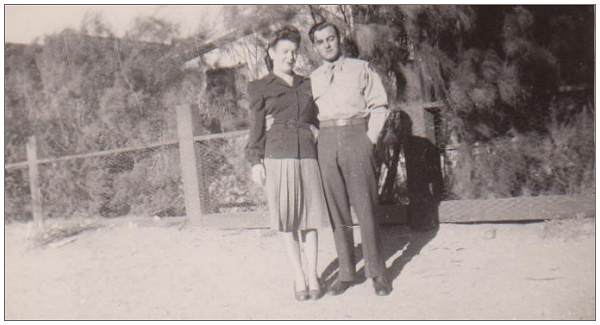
[(320, 26)]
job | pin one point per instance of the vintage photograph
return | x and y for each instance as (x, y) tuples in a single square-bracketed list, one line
[(299, 162)]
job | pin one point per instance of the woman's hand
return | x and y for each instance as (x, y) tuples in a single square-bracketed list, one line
[(269, 122), (258, 174), (315, 132)]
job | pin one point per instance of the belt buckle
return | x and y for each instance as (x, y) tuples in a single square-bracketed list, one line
[(341, 122), (291, 123)]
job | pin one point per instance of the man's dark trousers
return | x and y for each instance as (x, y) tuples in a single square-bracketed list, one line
[(347, 167)]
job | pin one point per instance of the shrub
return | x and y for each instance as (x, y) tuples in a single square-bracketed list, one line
[(558, 161)]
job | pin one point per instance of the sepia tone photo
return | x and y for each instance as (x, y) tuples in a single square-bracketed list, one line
[(299, 162)]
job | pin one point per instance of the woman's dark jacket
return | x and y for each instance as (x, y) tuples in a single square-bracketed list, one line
[(293, 110)]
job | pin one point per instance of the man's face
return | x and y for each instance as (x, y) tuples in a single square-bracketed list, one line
[(327, 44)]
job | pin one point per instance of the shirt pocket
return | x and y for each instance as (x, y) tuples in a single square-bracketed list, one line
[(319, 86), (273, 100), (349, 80)]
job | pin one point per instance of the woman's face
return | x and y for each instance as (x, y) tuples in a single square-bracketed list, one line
[(284, 55)]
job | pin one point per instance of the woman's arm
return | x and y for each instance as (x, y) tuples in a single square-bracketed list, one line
[(313, 120), (255, 148)]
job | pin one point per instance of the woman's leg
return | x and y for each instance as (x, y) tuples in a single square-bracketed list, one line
[(310, 251), (292, 246)]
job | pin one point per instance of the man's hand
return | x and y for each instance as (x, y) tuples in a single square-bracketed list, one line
[(373, 137), (259, 174), (269, 122), (376, 122)]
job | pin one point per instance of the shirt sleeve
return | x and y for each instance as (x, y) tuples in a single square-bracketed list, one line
[(374, 92), (376, 99), (314, 109), (255, 148)]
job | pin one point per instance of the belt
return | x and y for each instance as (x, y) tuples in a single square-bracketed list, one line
[(343, 122), (292, 124)]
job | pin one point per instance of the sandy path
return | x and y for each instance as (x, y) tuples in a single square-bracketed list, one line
[(491, 271)]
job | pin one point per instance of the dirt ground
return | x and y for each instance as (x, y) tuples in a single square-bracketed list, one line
[(156, 270)]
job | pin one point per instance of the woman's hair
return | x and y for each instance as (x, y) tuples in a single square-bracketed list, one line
[(288, 33)]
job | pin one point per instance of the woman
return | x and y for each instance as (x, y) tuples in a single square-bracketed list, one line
[(283, 154)]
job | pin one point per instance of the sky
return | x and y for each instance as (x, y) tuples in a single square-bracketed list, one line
[(25, 23)]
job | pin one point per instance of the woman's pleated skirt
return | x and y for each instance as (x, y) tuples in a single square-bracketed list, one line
[(295, 195)]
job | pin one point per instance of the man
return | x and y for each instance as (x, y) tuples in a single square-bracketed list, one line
[(352, 110)]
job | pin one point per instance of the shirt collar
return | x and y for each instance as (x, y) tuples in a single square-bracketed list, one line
[(271, 77), (335, 64)]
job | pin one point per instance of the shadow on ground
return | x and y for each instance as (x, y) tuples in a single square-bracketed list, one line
[(394, 239)]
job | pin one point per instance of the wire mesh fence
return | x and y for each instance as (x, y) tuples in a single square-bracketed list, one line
[(142, 182), (227, 186), (148, 180), (559, 160)]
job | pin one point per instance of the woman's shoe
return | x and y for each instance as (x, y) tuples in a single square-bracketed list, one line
[(300, 295), (315, 294)]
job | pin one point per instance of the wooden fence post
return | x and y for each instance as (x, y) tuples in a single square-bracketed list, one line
[(34, 181), (191, 169)]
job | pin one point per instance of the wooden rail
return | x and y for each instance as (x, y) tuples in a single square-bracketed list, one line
[(195, 188), (224, 135)]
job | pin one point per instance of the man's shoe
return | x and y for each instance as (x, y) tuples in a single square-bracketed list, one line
[(338, 287), (382, 286)]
